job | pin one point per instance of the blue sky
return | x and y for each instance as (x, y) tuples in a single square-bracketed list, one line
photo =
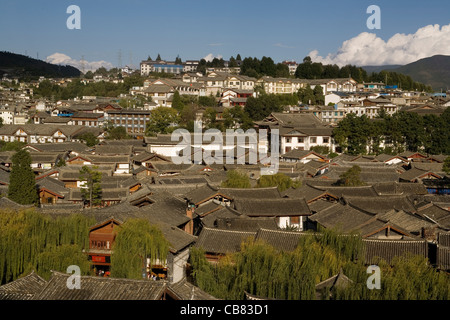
[(192, 29)]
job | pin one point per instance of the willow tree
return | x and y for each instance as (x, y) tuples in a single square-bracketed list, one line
[(22, 184), (137, 241), (236, 179), (31, 241)]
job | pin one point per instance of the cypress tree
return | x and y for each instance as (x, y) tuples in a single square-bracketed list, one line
[(22, 186)]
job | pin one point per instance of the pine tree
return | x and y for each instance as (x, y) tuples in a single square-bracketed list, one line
[(22, 186)]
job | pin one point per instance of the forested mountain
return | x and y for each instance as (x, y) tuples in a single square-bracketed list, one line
[(28, 68), (433, 71)]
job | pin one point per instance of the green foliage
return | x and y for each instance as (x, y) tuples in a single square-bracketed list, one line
[(31, 241), (306, 95), (402, 131), (236, 117), (116, 133), (260, 269), (61, 257), (76, 88), (256, 68), (324, 150), (353, 133), (446, 165), (260, 107), (162, 120), (89, 139), (316, 70), (176, 102), (91, 189), (22, 187), (279, 180), (351, 178), (12, 146), (235, 179), (207, 101), (136, 241)]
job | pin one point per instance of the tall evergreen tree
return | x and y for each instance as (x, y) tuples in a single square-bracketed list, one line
[(91, 191), (22, 186)]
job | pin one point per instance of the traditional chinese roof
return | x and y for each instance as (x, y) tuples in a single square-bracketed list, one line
[(101, 288), (24, 288)]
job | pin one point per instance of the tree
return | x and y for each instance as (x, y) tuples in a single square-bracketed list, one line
[(235, 179), (136, 241), (279, 180), (306, 95), (162, 120), (353, 133), (446, 166), (89, 75), (207, 101), (117, 133), (158, 58), (89, 139), (351, 177), (91, 189), (178, 60), (176, 101), (22, 183), (318, 95)]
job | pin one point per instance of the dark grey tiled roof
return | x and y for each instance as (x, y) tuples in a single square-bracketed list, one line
[(388, 249), (271, 207), (24, 288), (100, 288), (185, 290), (246, 224), (222, 241)]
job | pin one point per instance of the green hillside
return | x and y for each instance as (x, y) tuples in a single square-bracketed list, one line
[(434, 71)]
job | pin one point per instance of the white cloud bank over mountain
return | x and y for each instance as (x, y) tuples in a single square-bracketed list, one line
[(63, 59), (367, 49)]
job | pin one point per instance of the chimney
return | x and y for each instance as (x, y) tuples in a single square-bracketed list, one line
[(189, 227)]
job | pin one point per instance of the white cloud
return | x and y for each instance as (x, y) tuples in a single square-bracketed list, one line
[(367, 49), (283, 46), (210, 57), (63, 59)]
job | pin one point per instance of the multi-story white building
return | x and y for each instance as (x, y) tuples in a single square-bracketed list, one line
[(281, 85), (190, 65), (148, 67), (292, 65), (298, 131)]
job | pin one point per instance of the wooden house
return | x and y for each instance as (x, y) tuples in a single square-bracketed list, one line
[(101, 239)]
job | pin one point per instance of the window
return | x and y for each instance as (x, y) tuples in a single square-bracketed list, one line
[(313, 140), (326, 140), (288, 140), (295, 220)]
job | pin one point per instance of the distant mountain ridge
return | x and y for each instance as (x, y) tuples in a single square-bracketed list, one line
[(22, 66), (433, 71)]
